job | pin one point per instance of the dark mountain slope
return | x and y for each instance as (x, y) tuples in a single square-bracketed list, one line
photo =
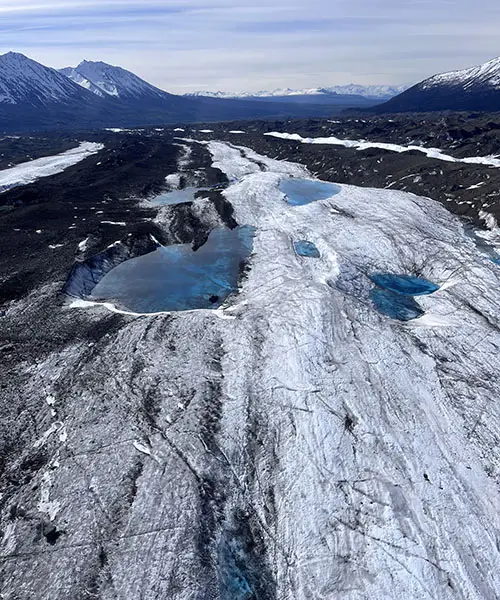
[(475, 89), (35, 97)]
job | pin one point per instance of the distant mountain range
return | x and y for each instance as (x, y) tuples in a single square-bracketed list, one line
[(372, 92), (474, 89), (95, 94), (102, 80)]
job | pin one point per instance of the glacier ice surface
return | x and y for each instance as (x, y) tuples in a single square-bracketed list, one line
[(308, 447)]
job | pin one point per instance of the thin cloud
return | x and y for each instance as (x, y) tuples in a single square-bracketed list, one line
[(187, 45)]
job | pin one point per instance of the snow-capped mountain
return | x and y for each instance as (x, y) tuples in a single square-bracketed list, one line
[(260, 94), (95, 94), (381, 92), (369, 91), (24, 81), (487, 75), (477, 88), (309, 96), (103, 79), (82, 81)]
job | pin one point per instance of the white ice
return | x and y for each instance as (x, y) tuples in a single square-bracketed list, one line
[(492, 161), (386, 435), (29, 172), (82, 246)]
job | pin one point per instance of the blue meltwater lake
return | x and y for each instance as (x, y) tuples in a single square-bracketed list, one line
[(393, 295), (306, 248), (177, 196), (396, 306), (404, 284), (177, 278), (304, 191)]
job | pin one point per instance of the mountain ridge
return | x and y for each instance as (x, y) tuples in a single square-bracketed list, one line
[(80, 80), (473, 89), (112, 81), (374, 92), (34, 97), (25, 80)]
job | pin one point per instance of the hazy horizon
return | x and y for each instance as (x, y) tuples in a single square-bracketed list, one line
[(192, 45)]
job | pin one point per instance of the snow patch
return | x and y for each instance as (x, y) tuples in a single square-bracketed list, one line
[(142, 448), (82, 246), (489, 219), (174, 180)]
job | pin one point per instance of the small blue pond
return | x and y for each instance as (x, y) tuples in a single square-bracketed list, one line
[(496, 261), (304, 191), (178, 278), (404, 284), (396, 306), (305, 248), (177, 196)]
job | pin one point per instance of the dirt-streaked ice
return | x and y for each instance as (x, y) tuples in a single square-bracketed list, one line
[(308, 446), (29, 172), (492, 161), (386, 436)]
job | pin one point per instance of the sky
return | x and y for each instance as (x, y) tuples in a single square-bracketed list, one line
[(187, 45)]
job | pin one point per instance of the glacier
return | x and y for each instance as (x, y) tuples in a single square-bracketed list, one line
[(28, 172), (302, 447)]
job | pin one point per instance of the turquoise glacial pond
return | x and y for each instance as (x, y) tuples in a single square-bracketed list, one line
[(396, 306), (177, 278), (404, 284), (305, 248), (177, 196), (393, 295), (304, 191)]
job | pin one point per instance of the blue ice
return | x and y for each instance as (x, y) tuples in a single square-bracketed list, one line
[(396, 306)]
